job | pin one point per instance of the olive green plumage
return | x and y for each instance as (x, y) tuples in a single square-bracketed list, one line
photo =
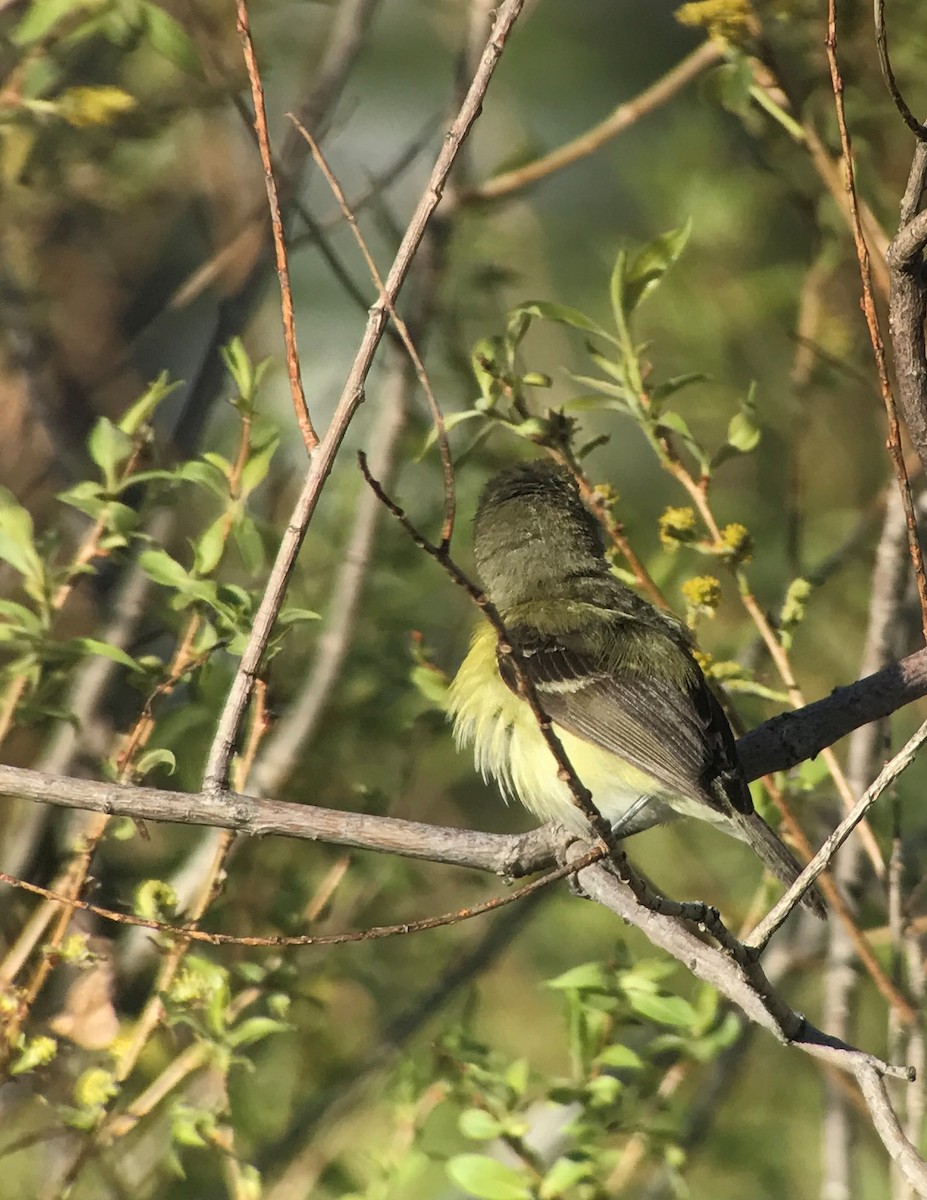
[(616, 676)]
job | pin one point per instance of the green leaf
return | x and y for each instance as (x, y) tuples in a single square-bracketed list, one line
[(249, 543), (239, 366), (255, 1029), (293, 615), (674, 423), (151, 760), (478, 1125), (138, 415), (209, 546), (634, 278), (89, 645), (22, 619), (169, 38), (562, 314), (205, 475), (591, 976), (487, 1179), (743, 431), (619, 1057), (565, 1173), (109, 448), (258, 464), (162, 568), (729, 85), (16, 540), (516, 1076), (667, 1010), (88, 497), (670, 387), (40, 18)]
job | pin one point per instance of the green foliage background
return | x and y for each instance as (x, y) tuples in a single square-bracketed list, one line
[(354, 1086)]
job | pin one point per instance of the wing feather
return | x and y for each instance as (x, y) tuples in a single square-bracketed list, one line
[(677, 734)]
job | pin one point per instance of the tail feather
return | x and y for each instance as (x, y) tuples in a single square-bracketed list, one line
[(777, 858)]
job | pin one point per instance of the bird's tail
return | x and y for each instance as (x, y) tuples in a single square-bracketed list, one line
[(753, 829)]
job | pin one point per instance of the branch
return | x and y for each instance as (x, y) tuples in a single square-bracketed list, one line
[(778, 744), (625, 115), (792, 737), (323, 457), (303, 420), (744, 982)]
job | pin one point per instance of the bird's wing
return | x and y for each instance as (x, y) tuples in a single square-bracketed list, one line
[(676, 733)]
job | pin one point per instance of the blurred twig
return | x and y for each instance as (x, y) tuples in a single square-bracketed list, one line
[(625, 115)]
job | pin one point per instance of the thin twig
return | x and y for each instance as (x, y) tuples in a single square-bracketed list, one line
[(220, 753), (885, 62), (623, 117), (192, 933), (401, 327), (777, 914), (872, 320), (303, 420)]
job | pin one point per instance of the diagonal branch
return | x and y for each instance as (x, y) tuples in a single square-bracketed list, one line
[(323, 457)]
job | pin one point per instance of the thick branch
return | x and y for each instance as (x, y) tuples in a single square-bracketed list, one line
[(774, 746), (792, 737)]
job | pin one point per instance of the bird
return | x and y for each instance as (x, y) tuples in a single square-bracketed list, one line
[(617, 677)]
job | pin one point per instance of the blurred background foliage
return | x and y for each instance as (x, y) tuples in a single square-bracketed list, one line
[(134, 242)]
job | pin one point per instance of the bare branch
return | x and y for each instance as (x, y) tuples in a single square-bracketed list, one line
[(623, 117), (821, 860), (885, 62), (352, 394), (303, 420)]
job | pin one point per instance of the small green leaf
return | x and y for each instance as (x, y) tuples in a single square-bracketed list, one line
[(293, 615), (674, 423), (562, 314), (169, 38), (258, 464), (116, 654), (478, 1125), (249, 543), (565, 1173), (255, 1029), (209, 546), (109, 448), (634, 278), (591, 976), (16, 540), (670, 387), (138, 415), (205, 475), (619, 1057), (151, 760), (487, 1179), (743, 431), (162, 568), (516, 1076), (667, 1010)]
